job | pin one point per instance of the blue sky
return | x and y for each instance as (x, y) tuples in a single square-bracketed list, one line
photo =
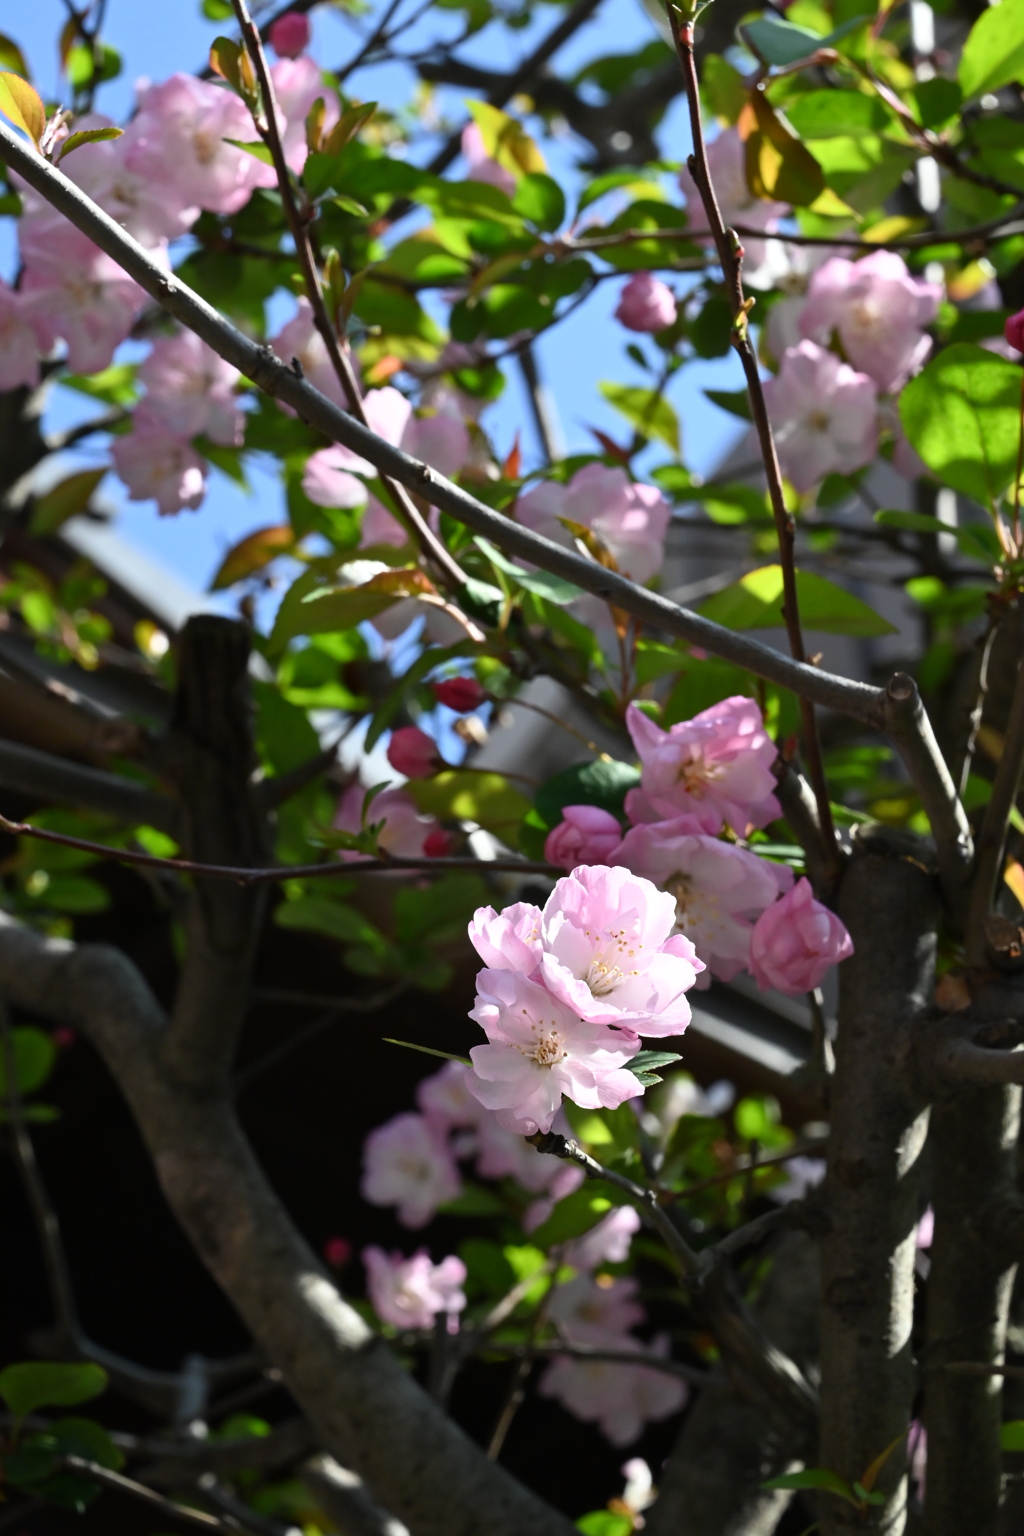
[(155, 40)]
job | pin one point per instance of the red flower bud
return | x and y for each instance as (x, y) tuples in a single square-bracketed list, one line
[(337, 1252), (414, 753), (289, 36), (437, 844), (459, 693), (1014, 330)]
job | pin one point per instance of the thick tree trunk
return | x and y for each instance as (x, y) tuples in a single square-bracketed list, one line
[(873, 1195), (974, 1138)]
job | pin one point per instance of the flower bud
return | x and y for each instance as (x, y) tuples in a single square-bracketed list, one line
[(414, 753), (337, 1252), (587, 835), (646, 304), (1014, 331), (459, 693), (289, 36), (437, 844)]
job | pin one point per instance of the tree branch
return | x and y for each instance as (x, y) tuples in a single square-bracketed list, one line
[(345, 1501), (992, 837), (45, 776), (362, 1404), (271, 375)]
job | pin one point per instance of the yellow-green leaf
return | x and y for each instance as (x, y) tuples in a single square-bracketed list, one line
[(778, 166), (252, 554), (22, 105), (506, 140), (11, 57), (463, 795), (64, 500), (755, 602)]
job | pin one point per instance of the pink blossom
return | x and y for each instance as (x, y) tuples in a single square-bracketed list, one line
[(439, 438), (630, 520), (445, 1099), (300, 341), (157, 466), (150, 210), (585, 1312), (480, 166), (586, 835), (735, 199), (75, 292), (646, 304), (607, 1243), (414, 753), (178, 142), (290, 35), (718, 887), (924, 1233), (298, 83), (190, 390), (461, 694), (878, 309), (19, 350), (824, 415), (619, 1399), (795, 941), (405, 831), (438, 434), (716, 767), (539, 1049), (407, 1163), (609, 953), (410, 1293), (508, 940)]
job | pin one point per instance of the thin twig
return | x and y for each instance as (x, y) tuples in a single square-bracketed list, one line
[(271, 375), (978, 709), (156, 1501), (269, 130), (318, 1027), (516, 1389), (553, 1349), (730, 256), (806, 1148)]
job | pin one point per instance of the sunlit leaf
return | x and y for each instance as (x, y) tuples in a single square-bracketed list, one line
[(962, 414), (252, 554), (648, 411), (755, 602), (65, 499), (993, 54), (778, 166), (22, 105)]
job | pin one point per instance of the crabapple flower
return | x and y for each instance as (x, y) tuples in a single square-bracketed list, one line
[(290, 35), (1013, 330), (440, 437), (406, 1163), (585, 1312), (73, 291), (480, 166), (609, 953), (410, 1293), (646, 304), (460, 694), (158, 466), (585, 835), (414, 753), (539, 1049), (445, 1099), (619, 1399), (405, 832), (630, 520), (735, 199), (716, 768), (824, 415), (179, 143), (190, 390), (508, 940), (879, 312), (795, 941), (504, 1154), (19, 350), (719, 888), (300, 341), (607, 1243)]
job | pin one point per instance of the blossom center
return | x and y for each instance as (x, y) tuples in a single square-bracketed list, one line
[(819, 421), (205, 145), (548, 1046), (696, 773)]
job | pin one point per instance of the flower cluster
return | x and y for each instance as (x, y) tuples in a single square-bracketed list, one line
[(410, 1293), (740, 911), (630, 520), (569, 989), (600, 1315)]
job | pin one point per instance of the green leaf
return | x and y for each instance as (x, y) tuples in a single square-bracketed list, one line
[(650, 1061), (780, 42), (540, 200), (114, 385), (757, 1119), (309, 609), (815, 1477), (440, 910), (555, 588), (428, 1050), (962, 414), (87, 136), (65, 499), (755, 602), (1011, 1435), (38, 1384), (11, 57), (461, 795), (254, 147), (34, 1056), (84, 1437), (603, 783), (318, 914), (647, 410), (605, 1522), (976, 540), (735, 401), (829, 114), (218, 10), (938, 101), (993, 54), (474, 1200), (777, 164), (20, 103), (576, 1213)]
